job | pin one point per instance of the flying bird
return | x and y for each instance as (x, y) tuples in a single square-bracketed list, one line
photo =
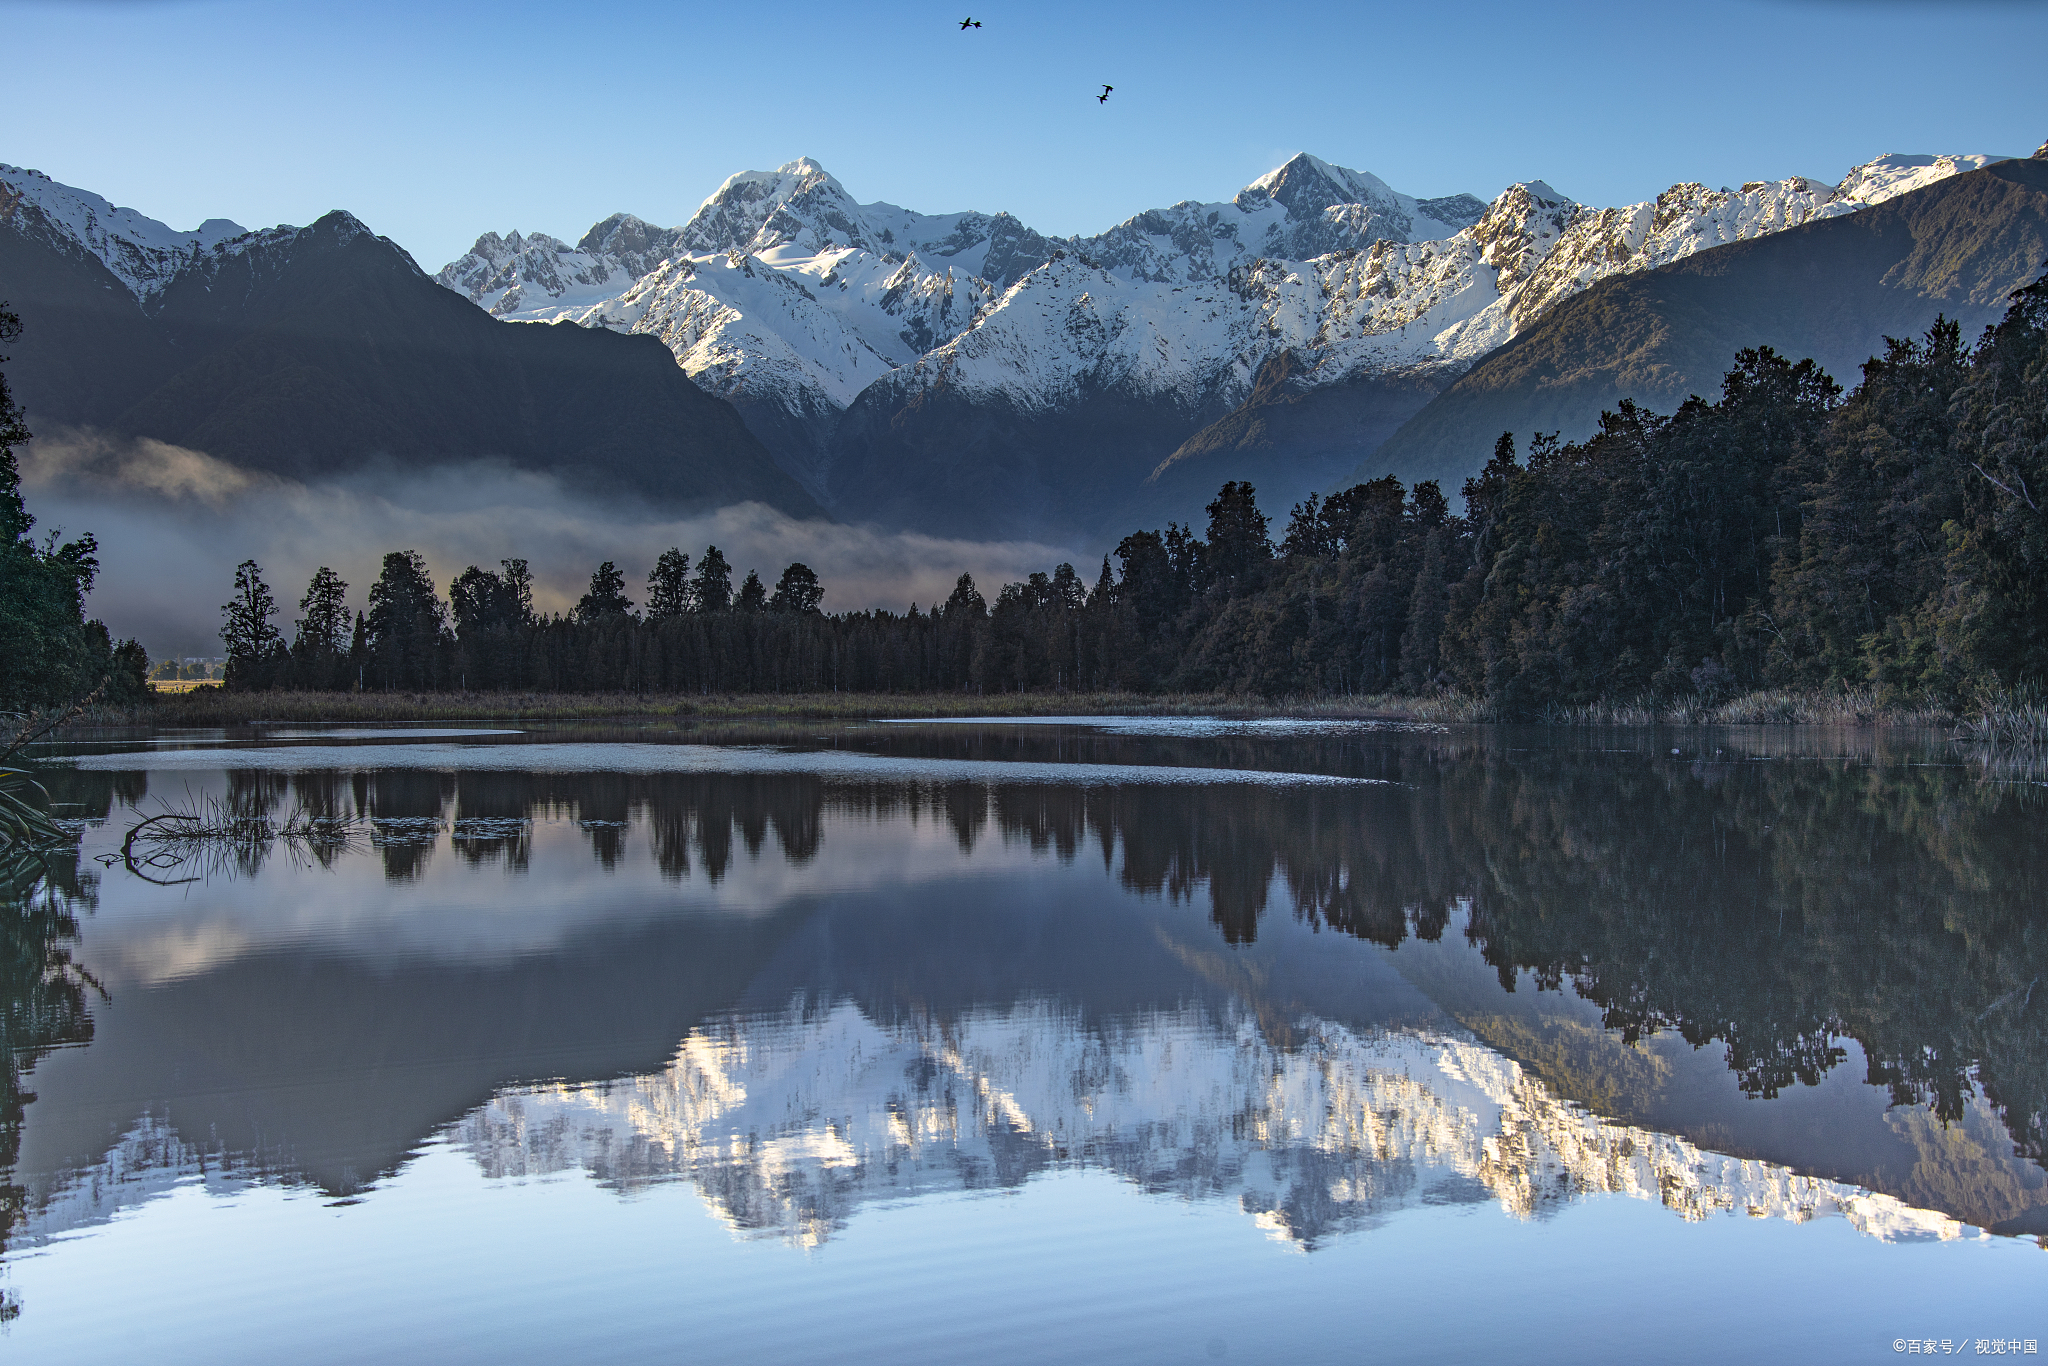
[(970, 23), (1103, 98)]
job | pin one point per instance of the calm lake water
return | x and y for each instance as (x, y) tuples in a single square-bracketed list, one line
[(1145, 1041)]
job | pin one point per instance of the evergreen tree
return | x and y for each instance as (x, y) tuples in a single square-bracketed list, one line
[(255, 649), (798, 590), (480, 600), (753, 595), (407, 629), (1994, 612), (519, 590), (711, 589), (965, 602), (607, 595), (1069, 594), (668, 586), (492, 612), (320, 641), (1237, 536), (1421, 658), (324, 627), (1871, 538), (1309, 532)]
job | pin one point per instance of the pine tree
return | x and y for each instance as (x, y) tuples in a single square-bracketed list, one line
[(408, 624), (607, 595), (1237, 536), (1420, 660), (798, 590), (519, 590), (753, 595), (255, 649), (325, 623), (711, 589), (668, 586), (320, 640)]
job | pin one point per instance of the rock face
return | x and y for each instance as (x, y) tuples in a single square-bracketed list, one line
[(319, 350), (962, 374)]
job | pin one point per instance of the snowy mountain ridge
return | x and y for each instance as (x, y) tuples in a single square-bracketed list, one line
[(785, 295), (796, 303), (142, 253), (788, 1124)]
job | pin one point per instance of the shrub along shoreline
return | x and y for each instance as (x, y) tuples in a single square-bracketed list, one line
[(213, 706)]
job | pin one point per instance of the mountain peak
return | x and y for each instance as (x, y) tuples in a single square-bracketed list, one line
[(1542, 192), (1306, 185), (755, 211)]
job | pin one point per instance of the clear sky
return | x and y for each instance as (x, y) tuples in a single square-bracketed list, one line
[(434, 121)]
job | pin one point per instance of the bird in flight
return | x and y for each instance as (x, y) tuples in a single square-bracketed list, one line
[(1103, 98), (970, 23)]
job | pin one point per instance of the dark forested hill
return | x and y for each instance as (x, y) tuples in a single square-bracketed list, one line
[(318, 350), (1832, 290)]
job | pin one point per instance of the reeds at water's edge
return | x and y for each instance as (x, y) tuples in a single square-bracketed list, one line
[(2014, 716)]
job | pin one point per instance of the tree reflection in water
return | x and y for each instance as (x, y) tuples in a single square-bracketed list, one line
[(44, 998), (1775, 907)]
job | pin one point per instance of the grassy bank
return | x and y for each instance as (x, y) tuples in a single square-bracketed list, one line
[(2006, 718), (217, 708)]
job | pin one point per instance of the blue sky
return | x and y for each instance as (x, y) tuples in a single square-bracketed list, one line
[(435, 121)]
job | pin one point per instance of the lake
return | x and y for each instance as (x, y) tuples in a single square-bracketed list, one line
[(1103, 1040)]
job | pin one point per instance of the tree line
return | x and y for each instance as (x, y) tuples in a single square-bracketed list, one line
[(1781, 535)]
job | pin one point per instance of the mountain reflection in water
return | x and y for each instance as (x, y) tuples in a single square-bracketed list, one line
[(787, 1123), (1322, 1003)]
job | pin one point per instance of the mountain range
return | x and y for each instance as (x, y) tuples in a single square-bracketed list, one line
[(325, 350), (963, 374)]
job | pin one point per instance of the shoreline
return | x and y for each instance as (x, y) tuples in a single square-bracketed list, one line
[(210, 706)]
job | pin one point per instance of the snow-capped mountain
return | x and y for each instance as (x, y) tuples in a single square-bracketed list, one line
[(1304, 209), (787, 297), (1388, 305), (788, 1124), (143, 254), (134, 328), (796, 302)]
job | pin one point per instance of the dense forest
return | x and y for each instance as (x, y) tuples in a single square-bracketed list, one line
[(1782, 535), (49, 652)]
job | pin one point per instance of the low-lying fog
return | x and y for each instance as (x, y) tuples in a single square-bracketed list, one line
[(173, 523)]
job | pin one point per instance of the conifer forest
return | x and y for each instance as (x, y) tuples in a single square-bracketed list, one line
[(1782, 534)]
